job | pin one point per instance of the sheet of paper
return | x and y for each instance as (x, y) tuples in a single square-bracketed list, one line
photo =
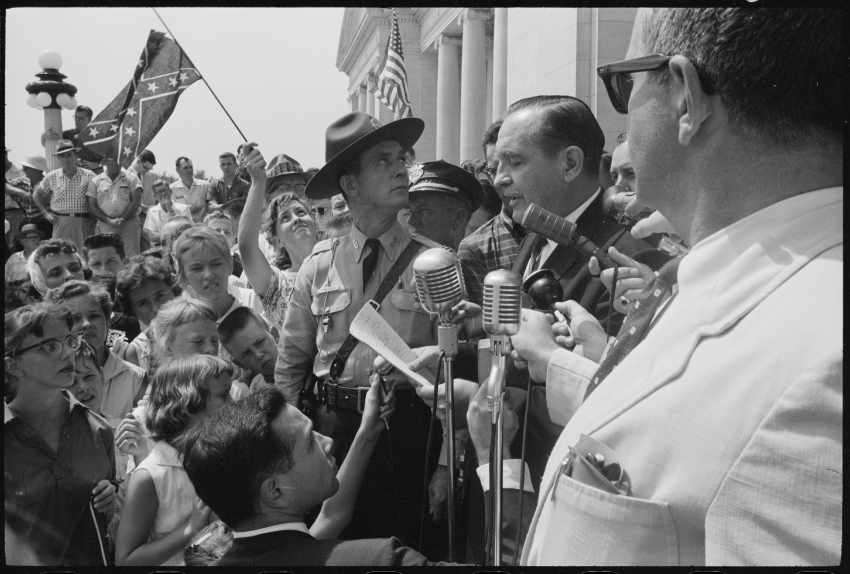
[(372, 329)]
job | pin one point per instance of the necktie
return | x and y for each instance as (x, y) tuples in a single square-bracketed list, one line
[(637, 321), (371, 259)]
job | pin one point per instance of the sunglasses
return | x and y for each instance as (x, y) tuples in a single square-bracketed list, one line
[(618, 79), (54, 346), (320, 211)]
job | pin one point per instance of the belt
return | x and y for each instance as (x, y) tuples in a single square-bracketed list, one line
[(70, 214), (353, 398)]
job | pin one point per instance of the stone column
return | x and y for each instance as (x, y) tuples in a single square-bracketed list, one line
[(473, 84), (362, 96), (500, 63), (352, 101), (370, 97), (448, 101)]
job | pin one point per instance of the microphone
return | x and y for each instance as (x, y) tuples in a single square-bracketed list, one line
[(502, 303), (501, 309), (563, 232), (614, 202), (438, 281)]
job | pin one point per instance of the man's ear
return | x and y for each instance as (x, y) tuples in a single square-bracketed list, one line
[(461, 219), (693, 105), (348, 183), (12, 365), (572, 162), (273, 492)]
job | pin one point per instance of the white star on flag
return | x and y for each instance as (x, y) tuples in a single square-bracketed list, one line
[(113, 128), (93, 132), (173, 82), (184, 76), (131, 112), (127, 151), (129, 131), (153, 87)]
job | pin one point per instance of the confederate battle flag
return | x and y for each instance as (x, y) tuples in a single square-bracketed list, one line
[(136, 115)]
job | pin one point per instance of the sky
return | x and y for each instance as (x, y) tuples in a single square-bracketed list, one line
[(272, 68)]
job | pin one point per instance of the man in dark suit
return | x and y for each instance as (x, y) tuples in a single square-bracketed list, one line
[(260, 466)]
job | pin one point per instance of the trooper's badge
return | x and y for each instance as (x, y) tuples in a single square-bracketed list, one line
[(415, 172), (375, 123)]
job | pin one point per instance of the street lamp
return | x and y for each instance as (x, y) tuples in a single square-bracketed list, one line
[(50, 93)]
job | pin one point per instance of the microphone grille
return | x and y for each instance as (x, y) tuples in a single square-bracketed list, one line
[(439, 286), (502, 301)]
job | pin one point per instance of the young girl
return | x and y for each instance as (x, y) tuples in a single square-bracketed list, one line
[(144, 286), (289, 225), (91, 308), (204, 264), (59, 457), (162, 512)]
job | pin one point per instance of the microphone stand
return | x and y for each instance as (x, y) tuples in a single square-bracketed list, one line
[(496, 398), (447, 340)]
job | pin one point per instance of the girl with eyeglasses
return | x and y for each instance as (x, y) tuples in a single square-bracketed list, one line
[(59, 457), (289, 226)]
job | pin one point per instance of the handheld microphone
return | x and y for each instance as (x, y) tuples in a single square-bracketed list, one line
[(501, 309), (614, 202), (563, 232)]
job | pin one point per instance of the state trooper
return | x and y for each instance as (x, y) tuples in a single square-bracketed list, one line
[(366, 163)]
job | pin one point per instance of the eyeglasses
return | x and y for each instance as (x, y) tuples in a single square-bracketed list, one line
[(31, 237), (54, 346), (618, 80), (490, 174), (320, 211)]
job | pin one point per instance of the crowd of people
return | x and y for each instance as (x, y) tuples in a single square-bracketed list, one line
[(181, 386)]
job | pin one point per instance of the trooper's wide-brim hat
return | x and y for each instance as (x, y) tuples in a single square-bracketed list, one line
[(351, 135)]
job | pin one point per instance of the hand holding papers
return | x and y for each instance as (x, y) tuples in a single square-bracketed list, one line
[(370, 328)]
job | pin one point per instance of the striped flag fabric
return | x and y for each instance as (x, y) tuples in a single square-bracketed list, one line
[(391, 79), (135, 116)]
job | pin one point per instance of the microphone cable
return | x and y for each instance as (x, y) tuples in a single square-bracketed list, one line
[(493, 543), (425, 481), (522, 466)]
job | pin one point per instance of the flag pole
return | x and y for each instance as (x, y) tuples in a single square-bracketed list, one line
[(202, 76)]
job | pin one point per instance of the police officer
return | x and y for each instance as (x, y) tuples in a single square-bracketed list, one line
[(366, 163)]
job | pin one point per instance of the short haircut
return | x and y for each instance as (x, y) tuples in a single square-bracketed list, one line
[(227, 154), (234, 207), (198, 236), (216, 215), (136, 274), (86, 110), (491, 134), (173, 314), (77, 288), (235, 321), (179, 389), (565, 121), (234, 451), (102, 240), (605, 163), (147, 156), (22, 322), (180, 159), (778, 72), (272, 212)]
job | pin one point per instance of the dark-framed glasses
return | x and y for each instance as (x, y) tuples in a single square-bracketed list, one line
[(54, 346), (320, 211), (287, 187), (618, 80)]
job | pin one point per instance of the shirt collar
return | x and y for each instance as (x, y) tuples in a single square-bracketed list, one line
[(297, 526), (113, 367), (392, 240), (573, 217), (10, 415)]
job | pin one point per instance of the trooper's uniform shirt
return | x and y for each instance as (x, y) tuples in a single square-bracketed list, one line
[(328, 295)]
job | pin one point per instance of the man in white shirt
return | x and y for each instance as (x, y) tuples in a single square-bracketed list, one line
[(164, 210), (727, 417), (190, 190), (142, 166)]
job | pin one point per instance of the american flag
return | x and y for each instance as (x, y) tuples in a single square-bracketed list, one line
[(135, 116), (391, 82)]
